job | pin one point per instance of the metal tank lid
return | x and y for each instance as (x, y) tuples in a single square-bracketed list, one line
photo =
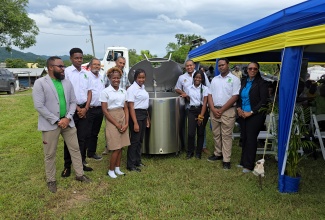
[(161, 74)]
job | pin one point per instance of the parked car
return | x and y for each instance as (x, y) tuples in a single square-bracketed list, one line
[(7, 81)]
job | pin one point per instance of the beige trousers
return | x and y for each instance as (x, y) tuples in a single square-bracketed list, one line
[(50, 143), (222, 129)]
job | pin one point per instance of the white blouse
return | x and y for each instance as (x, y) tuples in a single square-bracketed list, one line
[(139, 96), (114, 98)]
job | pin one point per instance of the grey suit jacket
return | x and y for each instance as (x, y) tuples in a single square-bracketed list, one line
[(46, 102)]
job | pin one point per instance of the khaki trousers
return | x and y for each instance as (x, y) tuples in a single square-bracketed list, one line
[(50, 143), (222, 129)]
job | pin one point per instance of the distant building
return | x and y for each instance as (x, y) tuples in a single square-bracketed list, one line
[(27, 76)]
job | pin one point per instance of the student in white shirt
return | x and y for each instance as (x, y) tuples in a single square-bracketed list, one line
[(197, 95), (115, 109), (138, 101)]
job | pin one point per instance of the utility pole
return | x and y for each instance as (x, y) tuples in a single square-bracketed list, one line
[(92, 41)]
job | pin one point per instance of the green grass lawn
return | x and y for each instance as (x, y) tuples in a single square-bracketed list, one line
[(169, 187)]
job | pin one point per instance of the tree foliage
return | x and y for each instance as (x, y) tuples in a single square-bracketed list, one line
[(87, 58), (180, 49), (16, 63), (41, 62), (135, 58), (180, 55), (16, 28)]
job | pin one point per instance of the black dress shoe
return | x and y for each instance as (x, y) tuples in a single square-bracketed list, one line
[(189, 156), (66, 172), (226, 165), (198, 156), (134, 169), (215, 158), (87, 168)]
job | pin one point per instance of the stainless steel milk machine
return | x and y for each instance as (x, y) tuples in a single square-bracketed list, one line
[(166, 108)]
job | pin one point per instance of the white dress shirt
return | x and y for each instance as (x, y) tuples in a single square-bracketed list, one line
[(80, 82), (138, 95), (114, 98), (223, 88), (196, 94), (185, 80), (97, 85)]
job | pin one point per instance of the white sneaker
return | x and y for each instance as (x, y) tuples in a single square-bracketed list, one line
[(111, 174)]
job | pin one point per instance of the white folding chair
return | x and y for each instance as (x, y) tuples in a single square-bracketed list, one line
[(320, 135), (270, 135), (263, 135)]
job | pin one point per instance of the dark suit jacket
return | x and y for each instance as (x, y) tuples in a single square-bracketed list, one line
[(46, 102), (258, 94)]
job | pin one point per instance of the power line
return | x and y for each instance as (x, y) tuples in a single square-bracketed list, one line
[(70, 35)]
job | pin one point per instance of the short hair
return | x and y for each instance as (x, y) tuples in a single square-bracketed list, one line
[(225, 59), (50, 60), (258, 65), (120, 57), (189, 61), (112, 70), (202, 76), (75, 50), (92, 60), (137, 72)]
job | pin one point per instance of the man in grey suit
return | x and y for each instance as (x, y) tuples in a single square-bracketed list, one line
[(55, 101)]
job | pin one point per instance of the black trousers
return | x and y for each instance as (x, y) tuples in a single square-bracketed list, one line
[(183, 129), (82, 133), (136, 139), (250, 128), (95, 118), (194, 129)]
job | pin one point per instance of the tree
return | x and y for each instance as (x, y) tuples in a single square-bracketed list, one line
[(16, 28), (146, 53), (16, 63), (41, 62), (87, 58), (180, 49), (134, 58), (180, 55)]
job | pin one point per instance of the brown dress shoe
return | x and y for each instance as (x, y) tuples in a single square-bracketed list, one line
[(205, 150)]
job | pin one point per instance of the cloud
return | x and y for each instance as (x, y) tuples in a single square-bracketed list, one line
[(65, 13), (183, 24), (142, 24), (41, 20)]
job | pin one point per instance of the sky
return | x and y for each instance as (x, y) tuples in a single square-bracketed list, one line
[(139, 24)]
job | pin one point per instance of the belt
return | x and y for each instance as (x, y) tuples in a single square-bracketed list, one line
[(95, 106), (82, 105), (218, 106), (195, 106), (139, 109)]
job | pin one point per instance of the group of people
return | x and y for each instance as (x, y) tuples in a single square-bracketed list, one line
[(225, 99), (73, 101)]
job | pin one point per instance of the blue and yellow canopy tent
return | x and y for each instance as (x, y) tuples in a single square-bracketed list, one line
[(286, 37)]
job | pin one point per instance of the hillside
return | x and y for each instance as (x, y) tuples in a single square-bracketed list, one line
[(29, 57)]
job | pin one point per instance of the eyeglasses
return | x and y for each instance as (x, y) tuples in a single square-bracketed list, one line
[(253, 68), (60, 66)]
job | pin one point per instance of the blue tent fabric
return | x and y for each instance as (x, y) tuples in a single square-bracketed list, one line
[(289, 77), (303, 15)]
